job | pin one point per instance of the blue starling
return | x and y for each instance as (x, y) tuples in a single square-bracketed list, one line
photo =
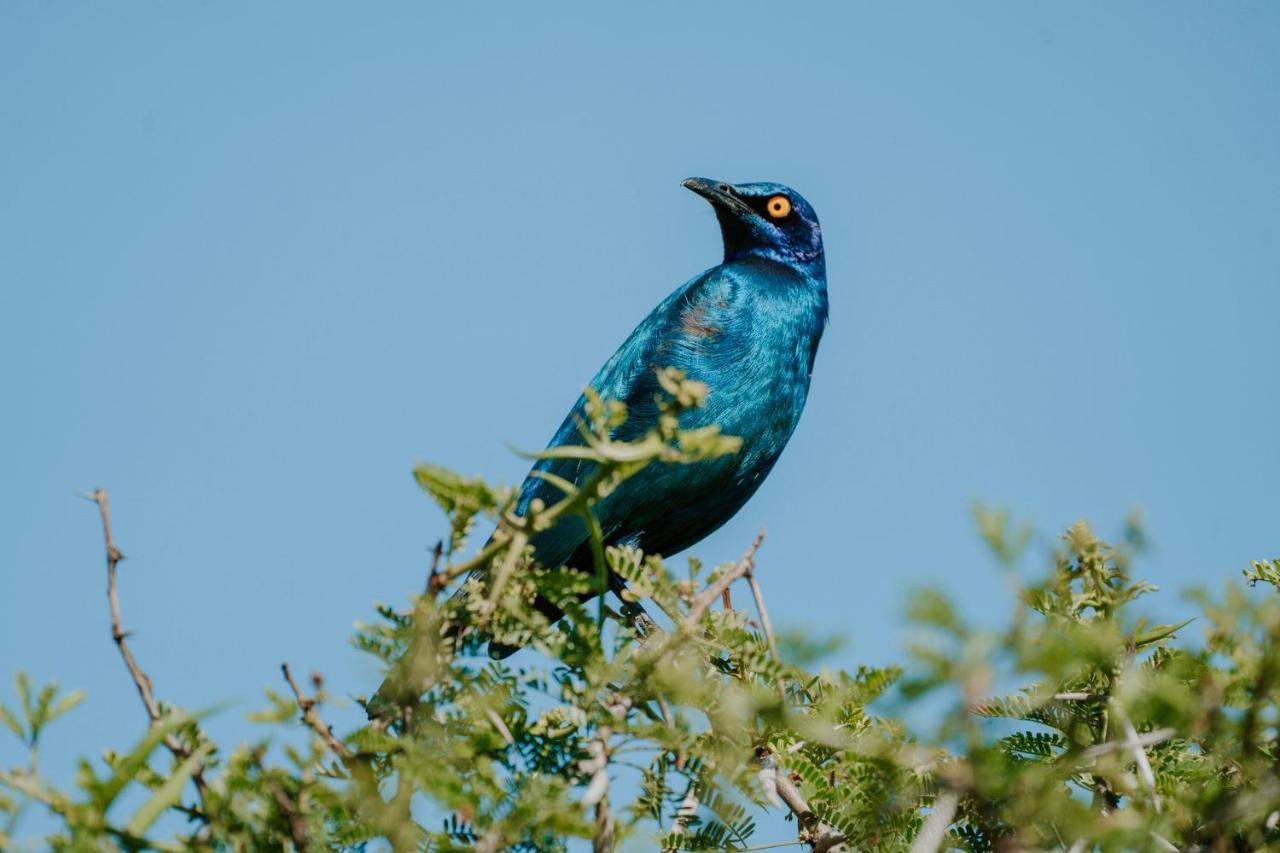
[(749, 329)]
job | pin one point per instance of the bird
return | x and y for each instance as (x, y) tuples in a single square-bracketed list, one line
[(748, 328)]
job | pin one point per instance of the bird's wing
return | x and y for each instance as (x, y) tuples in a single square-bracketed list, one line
[(662, 339)]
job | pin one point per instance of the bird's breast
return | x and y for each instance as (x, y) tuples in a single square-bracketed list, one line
[(756, 357)]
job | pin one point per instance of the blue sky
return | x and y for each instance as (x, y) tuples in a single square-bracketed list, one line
[(257, 260)]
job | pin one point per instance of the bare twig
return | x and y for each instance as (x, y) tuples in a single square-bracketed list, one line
[(765, 625), (141, 680), (934, 830), (821, 836), (433, 587), (744, 565), (307, 705), (688, 624)]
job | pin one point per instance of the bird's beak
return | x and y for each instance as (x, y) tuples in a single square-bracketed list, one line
[(720, 194)]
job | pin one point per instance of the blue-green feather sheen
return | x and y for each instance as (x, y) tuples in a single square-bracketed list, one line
[(749, 329)]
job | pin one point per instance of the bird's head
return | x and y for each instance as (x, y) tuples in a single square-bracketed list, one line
[(764, 220)]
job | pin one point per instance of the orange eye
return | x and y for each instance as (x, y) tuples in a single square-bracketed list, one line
[(778, 206)]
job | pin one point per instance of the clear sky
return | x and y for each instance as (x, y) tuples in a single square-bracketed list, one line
[(258, 259)]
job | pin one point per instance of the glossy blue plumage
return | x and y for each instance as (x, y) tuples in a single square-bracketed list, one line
[(748, 328)]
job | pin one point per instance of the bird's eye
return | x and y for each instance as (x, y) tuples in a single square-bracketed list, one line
[(778, 206)]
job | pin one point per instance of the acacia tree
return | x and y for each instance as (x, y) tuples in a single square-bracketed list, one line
[(670, 722)]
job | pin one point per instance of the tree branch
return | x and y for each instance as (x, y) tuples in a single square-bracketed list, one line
[(297, 825), (307, 705), (432, 587), (765, 625), (141, 680), (822, 837), (709, 595)]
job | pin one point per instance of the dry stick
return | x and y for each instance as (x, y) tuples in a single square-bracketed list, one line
[(433, 575), (689, 623), (400, 822), (141, 680), (821, 836), (307, 705), (765, 625), (744, 565)]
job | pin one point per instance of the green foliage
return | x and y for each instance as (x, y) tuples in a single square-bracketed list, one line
[(1078, 725)]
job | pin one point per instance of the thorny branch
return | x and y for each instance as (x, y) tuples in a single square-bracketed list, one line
[(746, 563), (141, 680), (307, 705)]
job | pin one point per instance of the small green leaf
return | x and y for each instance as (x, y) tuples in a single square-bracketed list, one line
[(167, 794)]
